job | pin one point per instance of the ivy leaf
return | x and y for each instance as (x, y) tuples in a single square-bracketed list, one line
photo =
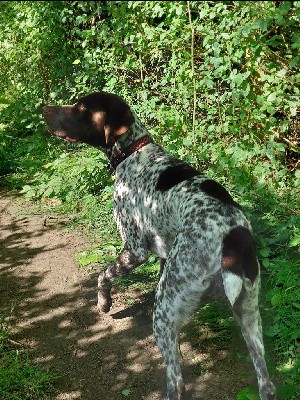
[(264, 252), (126, 392), (276, 299), (272, 97), (272, 331), (295, 61), (296, 240)]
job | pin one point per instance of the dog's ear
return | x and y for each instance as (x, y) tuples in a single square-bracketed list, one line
[(113, 117), (110, 132), (99, 118), (111, 129), (118, 120)]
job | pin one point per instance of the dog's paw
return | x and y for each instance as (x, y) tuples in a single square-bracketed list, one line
[(104, 303), (104, 297), (268, 392)]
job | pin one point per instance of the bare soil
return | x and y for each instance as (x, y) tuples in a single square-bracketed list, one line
[(51, 304)]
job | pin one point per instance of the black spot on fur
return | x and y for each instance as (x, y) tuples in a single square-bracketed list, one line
[(175, 174), (216, 190), (239, 255)]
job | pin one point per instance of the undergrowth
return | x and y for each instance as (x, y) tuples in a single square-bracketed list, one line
[(217, 83), (19, 378)]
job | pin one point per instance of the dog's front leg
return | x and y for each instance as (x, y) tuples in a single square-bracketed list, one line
[(126, 261)]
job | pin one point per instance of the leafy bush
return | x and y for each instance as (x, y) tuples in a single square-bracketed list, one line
[(217, 83), (70, 176), (76, 181)]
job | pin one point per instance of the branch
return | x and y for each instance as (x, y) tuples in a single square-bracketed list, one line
[(193, 69)]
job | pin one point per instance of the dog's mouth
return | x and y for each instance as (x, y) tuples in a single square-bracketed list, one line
[(54, 124), (62, 135), (70, 140)]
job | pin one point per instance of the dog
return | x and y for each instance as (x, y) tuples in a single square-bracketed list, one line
[(165, 206)]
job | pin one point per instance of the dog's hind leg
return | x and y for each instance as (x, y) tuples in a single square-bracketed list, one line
[(247, 313), (162, 262), (241, 281), (178, 294)]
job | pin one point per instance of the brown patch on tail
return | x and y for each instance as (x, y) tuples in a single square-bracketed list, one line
[(239, 256)]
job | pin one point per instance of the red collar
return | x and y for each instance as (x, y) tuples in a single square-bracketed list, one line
[(116, 159)]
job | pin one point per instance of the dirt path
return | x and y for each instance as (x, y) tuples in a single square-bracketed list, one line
[(54, 314)]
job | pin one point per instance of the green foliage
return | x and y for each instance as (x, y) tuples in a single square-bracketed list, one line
[(212, 326), (70, 175), (217, 83), (19, 379), (73, 180), (247, 394), (144, 277), (102, 254), (126, 392)]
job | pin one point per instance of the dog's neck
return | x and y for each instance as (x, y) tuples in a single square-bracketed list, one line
[(134, 139), (136, 131)]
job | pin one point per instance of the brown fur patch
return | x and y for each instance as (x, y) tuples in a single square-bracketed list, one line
[(239, 253)]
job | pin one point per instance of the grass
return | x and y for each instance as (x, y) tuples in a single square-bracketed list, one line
[(19, 378), (212, 326)]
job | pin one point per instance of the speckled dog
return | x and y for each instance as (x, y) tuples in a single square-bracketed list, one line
[(164, 206)]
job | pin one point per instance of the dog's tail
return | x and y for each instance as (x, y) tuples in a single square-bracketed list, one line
[(239, 262)]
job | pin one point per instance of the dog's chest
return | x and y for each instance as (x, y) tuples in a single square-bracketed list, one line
[(140, 208), (136, 181)]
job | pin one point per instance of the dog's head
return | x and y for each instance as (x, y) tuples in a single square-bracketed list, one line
[(95, 119)]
